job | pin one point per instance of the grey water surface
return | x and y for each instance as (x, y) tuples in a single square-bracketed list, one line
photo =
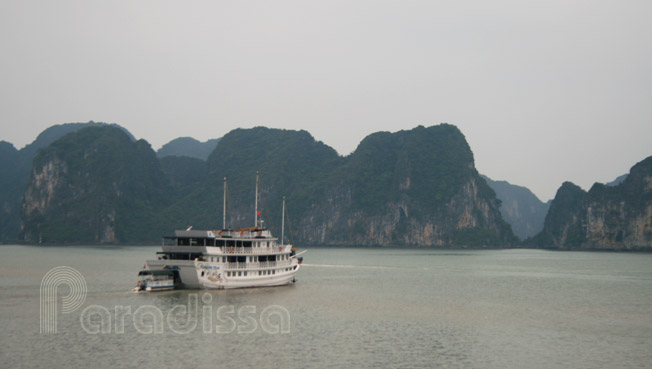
[(350, 307)]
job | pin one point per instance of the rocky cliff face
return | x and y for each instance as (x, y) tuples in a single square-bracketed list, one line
[(469, 219), (93, 186), (47, 181), (607, 217)]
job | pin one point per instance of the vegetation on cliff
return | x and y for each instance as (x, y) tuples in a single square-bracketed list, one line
[(416, 187), (95, 186)]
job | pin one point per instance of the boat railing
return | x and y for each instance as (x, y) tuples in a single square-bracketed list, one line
[(260, 264), (271, 264), (244, 234), (252, 250)]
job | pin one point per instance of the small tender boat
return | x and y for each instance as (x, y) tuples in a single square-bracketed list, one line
[(156, 280)]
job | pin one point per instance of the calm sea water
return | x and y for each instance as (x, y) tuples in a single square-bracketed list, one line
[(349, 308)]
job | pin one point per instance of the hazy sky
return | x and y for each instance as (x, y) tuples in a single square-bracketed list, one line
[(544, 91)]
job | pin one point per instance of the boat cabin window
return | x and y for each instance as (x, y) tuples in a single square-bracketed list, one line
[(182, 256)]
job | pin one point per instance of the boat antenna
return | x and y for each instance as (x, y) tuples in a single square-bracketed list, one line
[(256, 203), (224, 206), (283, 223)]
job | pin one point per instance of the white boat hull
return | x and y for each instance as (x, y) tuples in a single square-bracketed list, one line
[(218, 280), (191, 278)]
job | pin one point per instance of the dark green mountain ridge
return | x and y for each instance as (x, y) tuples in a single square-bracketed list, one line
[(416, 187), (95, 184)]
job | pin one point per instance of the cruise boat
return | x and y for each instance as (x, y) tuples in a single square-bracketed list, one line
[(229, 258)]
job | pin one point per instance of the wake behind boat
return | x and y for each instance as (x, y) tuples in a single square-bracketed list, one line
[(229, 258)]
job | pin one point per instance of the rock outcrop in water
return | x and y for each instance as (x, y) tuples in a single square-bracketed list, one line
[(416, 187), (606, 217)]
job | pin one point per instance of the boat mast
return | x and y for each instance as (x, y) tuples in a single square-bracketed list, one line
[(256, 203), (283, 222), (224, 207)]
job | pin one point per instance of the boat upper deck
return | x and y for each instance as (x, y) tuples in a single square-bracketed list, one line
[(230, 237), (252, 240)]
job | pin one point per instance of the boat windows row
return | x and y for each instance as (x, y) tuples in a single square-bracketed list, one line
[(185, 241), (246, 259), (260, 272)]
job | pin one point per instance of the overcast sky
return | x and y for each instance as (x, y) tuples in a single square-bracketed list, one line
[(544, 91)]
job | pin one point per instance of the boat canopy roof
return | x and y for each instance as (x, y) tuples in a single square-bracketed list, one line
[(195, 234), (250, 232), (156, 272)]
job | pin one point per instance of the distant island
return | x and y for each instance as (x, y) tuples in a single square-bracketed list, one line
[(93, 183)]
